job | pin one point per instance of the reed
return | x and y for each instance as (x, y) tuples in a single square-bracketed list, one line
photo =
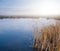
[(49, 39)]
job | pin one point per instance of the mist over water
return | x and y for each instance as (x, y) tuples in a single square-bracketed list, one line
[(18, 34)]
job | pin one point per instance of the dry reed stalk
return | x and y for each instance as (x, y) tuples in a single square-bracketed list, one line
[(50, 35)]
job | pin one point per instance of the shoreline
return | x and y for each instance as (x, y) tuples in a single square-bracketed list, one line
[(32, 17)]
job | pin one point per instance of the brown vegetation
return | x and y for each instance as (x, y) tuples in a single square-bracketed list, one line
[(49, 39)]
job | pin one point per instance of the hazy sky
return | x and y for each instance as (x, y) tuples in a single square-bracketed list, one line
[(29, 7)]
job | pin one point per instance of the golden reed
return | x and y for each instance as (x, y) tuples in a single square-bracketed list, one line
[(49, 39)]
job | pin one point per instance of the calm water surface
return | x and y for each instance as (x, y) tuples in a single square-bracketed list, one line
[(17, 34)]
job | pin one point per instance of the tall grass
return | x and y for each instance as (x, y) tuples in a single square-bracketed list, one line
[(49, 38)]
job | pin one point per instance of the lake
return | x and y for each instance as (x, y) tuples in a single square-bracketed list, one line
[(18, 34)]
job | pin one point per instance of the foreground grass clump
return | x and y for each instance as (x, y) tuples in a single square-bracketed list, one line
[(49, 39)]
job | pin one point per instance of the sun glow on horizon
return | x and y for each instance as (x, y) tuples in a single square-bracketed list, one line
[(47, 8)]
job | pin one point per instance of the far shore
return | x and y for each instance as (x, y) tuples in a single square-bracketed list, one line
[(33, 17)]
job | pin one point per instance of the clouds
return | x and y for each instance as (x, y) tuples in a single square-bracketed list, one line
[(29, 7)]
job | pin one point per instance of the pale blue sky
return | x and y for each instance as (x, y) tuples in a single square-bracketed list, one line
[(29, 7)]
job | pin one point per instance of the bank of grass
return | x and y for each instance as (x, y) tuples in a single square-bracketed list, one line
[(49, 38)]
